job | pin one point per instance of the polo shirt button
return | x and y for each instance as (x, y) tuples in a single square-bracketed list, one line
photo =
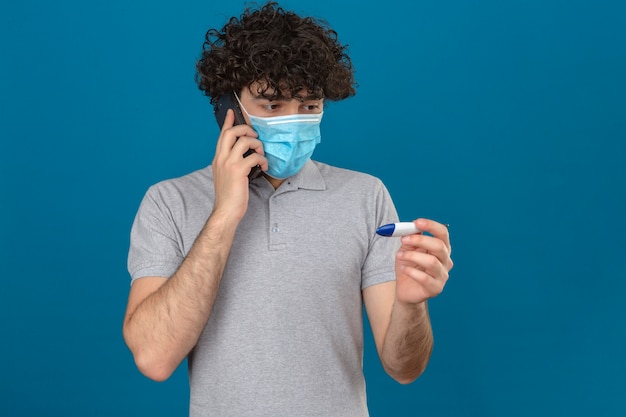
[(275, 229)]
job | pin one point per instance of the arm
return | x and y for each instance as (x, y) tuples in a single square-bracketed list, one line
[(398, 311), (165, 317)]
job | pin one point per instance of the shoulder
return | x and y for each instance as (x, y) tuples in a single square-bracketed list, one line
[(197, 184), (346, 178), (194, 180)]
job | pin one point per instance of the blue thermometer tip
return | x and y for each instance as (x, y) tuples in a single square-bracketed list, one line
[(386, 230)]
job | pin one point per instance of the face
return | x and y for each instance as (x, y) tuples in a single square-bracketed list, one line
[(262, 107)]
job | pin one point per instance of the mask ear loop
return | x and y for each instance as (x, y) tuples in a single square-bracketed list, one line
[(240, 105), (256, 170)]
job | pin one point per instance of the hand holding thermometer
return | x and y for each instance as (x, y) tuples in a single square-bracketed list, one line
[(399, 229)]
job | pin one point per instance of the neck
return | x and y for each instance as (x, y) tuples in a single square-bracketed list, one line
[(274, 181)]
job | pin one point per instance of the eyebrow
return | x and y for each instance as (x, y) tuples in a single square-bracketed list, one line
[(310, 97), (296, 97)]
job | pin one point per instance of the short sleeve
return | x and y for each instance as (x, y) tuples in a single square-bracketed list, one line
[(155, 242), (379, 264)]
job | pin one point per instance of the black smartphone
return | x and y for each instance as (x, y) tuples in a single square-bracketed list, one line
[(229, 101)]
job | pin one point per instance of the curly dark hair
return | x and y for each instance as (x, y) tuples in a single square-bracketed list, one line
[(284, 52)]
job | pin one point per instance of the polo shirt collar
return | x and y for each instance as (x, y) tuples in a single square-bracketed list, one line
[(309, 178)]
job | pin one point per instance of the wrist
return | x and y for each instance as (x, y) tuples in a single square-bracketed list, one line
[(411, 308), (223, 223)]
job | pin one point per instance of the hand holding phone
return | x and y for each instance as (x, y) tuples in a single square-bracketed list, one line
[(225, 102)]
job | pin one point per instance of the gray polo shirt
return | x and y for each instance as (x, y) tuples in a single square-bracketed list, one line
[(285, 337)]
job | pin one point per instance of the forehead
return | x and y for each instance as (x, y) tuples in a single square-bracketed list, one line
[(258, 89)]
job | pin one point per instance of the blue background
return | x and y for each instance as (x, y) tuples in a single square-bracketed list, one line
[(505, 119)]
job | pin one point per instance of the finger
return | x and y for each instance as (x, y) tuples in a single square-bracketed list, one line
[(428, 263), (257, 159), (425, 242), (428, 244), (430, 285), (229, 120), (436, 229), (246, 142), (242, 146), (230, 136), (243, 130), (240, 152), (222, 140)]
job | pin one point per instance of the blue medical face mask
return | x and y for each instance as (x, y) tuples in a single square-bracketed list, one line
[(288, 141)]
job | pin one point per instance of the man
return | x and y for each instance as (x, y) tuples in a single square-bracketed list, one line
[(260, 282)]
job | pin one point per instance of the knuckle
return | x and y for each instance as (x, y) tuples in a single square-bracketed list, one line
[(432, 261), (416, 239)]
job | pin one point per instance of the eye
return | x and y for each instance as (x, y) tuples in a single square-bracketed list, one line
[(270, 107), (312, 107)]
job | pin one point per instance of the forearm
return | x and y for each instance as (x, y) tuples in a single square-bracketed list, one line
[(408, 343), (166, 325)]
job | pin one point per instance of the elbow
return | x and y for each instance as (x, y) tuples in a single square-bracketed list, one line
[(154, 368), (407, 376), (151, 364), (404, 381), (407, 371)]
